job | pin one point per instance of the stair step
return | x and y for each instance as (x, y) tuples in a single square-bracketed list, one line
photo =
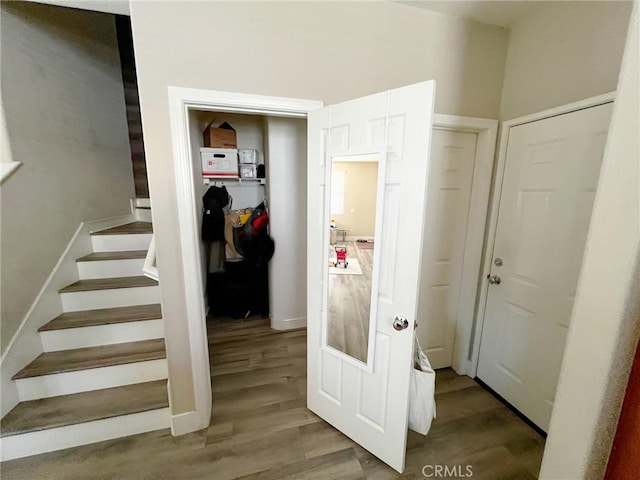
[(109, 283), (103, 256), (103, 316), (128, 229), (93, 357), (64, 410)]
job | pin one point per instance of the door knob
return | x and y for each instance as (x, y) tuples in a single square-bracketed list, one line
[(400, 323), (494, 279)]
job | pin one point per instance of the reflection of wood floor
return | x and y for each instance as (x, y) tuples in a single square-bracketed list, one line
[(349, 302), (261, 428)]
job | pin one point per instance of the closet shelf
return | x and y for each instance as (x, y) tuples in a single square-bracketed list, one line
[(233, 181)]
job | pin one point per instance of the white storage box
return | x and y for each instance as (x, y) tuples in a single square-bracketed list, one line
[(219, 162), (248, 156), (248, 171)]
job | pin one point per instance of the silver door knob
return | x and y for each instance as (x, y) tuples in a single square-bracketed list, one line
[(400, 323), (494, 279)]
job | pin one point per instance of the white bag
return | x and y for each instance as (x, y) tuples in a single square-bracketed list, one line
[(422, 403)]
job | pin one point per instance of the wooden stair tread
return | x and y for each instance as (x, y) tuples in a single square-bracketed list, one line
[(103, 316), (83, 407), (109, 283), (93, 357), (100, 256), (128, 229)]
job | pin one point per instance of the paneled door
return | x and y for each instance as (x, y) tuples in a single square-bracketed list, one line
[(550, 178), (368, 400), (453, 156)]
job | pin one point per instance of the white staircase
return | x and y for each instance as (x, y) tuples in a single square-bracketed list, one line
[(103, 371)]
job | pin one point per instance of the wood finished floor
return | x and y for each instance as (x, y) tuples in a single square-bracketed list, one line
[(349, 304), (261, 428)]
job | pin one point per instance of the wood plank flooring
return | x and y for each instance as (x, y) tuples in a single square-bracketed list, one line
[(93, 357), (101, 256), (82, 407), (129, 228), (103, 316), (261, 428), (349, 305), (109, 283)]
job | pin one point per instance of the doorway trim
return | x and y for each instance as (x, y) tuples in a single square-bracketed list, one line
[(181, 101), (486, 131), (495, 203)]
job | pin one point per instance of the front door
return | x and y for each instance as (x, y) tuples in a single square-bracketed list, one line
[(365, 394), (550, 178)]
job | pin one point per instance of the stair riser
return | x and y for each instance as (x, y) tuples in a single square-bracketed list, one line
[(111, 268), (70, 338), (34, 443), (66, 383), (116, 297), (143, 215), (120, 243)]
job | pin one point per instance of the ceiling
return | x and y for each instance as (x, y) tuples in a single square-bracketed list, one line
[(497, 12)]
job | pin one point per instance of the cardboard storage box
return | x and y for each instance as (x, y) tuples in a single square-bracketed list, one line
[(219, 162), (223, 136)]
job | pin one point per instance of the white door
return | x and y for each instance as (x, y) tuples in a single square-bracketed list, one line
[(550, 177), (449, 193), (371, 407)]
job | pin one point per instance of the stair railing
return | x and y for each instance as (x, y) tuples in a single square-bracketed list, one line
[(150, 268)]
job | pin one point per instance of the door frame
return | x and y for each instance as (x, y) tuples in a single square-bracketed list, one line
[(181, 101), (496, 194), (487, 131)]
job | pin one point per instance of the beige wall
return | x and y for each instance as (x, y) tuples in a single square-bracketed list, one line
[(329, 51), (360, 185), (561, 52), (65, 115), (605, 323)]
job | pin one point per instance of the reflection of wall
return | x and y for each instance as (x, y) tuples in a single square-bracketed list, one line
[(360, 181)]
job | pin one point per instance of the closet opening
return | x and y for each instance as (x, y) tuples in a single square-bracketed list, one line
[(249, 176)]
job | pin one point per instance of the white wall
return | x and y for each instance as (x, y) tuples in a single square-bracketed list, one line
[(287, 191), (605, 323), (361, 189), (65, 114), (328, 51), (561, 52)]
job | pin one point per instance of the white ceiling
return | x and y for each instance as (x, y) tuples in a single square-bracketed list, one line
[(496, 12)]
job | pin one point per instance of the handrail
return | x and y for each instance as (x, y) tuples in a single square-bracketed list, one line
[(150, 268)]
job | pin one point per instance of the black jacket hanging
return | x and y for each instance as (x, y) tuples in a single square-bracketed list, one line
[(213, 201)]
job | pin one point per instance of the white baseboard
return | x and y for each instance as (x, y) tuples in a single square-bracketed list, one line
[(289, 323), (355, 238), (26, 345), (45, 386), (68, 339), (50, 440), (187, 422)]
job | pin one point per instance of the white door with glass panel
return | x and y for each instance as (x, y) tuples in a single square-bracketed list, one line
[(361, 321), (550, 178)]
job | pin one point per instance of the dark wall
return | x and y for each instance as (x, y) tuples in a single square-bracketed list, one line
[(130, 81)]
